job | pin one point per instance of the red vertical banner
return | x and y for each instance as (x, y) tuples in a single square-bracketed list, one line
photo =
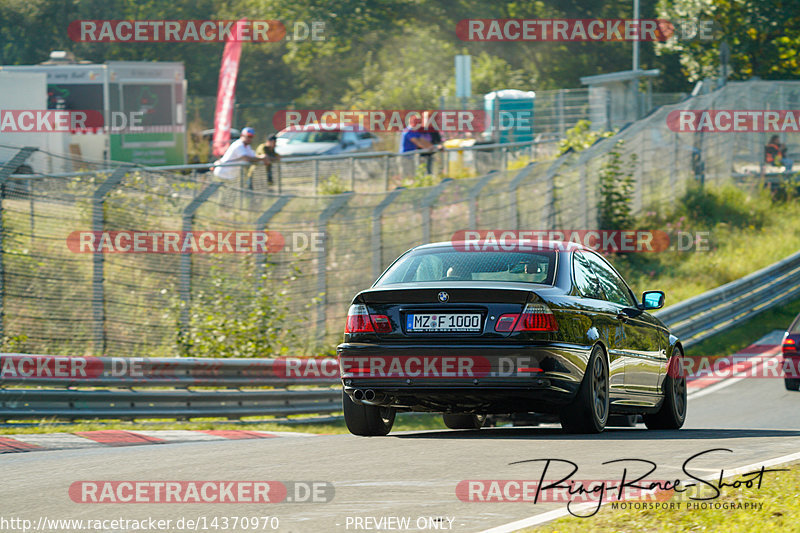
[(226, 92)]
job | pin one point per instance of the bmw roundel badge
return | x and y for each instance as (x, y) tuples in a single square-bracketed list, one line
[(443, 297)]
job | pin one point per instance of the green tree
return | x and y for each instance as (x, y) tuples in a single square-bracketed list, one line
[(763, 36)]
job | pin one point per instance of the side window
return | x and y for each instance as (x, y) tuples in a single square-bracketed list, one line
[(614, 288), (585, 279)]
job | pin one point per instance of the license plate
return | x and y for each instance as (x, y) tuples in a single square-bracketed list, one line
[(443, 322)]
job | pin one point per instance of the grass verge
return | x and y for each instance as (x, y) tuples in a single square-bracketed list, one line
[(739, 231), (778, 512)]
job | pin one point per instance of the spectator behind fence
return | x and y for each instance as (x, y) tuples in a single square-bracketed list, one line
[(435, 138), (414, 138), (775, 154), (268, 149), (239, 151)]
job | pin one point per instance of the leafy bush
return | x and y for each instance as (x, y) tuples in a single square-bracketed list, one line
[(333, 185), (616, 190), (580, 137), (421, 178), (236, 316), (707, 207)]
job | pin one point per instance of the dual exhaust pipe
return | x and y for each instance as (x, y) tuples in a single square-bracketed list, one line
[(368, 396)]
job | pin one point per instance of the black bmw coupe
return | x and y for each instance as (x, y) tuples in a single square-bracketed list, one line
[(545, 328)]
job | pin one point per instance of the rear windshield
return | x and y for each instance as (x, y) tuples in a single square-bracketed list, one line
[(436, 264)]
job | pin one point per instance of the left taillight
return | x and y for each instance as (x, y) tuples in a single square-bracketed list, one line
[(360, 321), (535, 317)]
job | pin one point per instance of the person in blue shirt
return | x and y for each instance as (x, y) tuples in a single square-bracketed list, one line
[(414, 137)]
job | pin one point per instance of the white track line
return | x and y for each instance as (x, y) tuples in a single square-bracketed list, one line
[(727, 382)]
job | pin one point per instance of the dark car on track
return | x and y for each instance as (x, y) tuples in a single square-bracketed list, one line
[(550, 328), (790, 348)]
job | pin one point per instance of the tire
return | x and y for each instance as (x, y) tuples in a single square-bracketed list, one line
[(367, 420), (588, 412), (672, 413), (624, 421), (791, 383), (463, 421)]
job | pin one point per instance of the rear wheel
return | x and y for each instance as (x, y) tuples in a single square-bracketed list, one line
[(588, 413), (367, 420), (791, 383), (463, 421), (672, 413)]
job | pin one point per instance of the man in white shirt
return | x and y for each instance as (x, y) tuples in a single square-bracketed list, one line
[(239, 151)]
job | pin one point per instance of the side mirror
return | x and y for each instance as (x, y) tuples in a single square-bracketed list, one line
[(652, 300)]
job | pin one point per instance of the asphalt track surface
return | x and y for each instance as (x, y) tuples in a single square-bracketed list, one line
[(408, 474)]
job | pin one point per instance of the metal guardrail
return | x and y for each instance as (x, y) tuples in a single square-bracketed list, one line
[(692, 320), (706, 314), (78, 378)]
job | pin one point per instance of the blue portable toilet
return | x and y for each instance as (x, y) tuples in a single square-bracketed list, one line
[(509, 115)]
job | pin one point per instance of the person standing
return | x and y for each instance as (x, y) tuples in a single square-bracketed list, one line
[(775, 154), (414, 138), (239, 151), (267, 149)]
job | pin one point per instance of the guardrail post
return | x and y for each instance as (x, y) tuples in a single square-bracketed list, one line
[(549, 213), (377, 227), (473, 194), (426, 206), (6, 170), (386, 162), (98, 289), (322, 259), (278, 179), (584, 196), (261, 225), (185, 267), (352, 169), (512, 189), (316, 176)]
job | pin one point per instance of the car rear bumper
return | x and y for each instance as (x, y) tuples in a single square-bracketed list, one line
[(485, 378)]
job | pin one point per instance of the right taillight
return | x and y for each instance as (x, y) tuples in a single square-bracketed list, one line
[(789, 345), (535, 317), (360, 321)]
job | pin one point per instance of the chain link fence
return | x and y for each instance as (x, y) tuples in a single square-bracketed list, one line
[(57, 300)]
